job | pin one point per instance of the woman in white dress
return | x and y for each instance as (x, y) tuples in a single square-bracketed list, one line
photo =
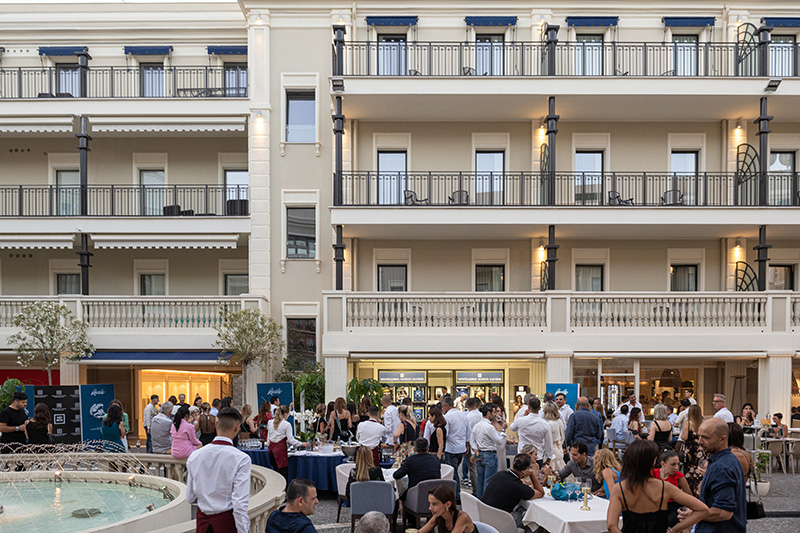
[(553, 417)]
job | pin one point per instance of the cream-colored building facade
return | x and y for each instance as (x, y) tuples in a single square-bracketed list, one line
[(453, 172)]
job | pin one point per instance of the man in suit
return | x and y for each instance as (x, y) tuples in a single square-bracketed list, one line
[(419, 467)]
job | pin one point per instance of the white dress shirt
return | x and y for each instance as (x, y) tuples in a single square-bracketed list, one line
[(371, 432), (283, 431), (566, 412), (473, 417), (218, 480), (682, 416), (456, 431), (630, 408), (149, 412), (390, 422), (620, 425), (724, 414), (692, 400), (428, 431), (535, 430), (485, 437)]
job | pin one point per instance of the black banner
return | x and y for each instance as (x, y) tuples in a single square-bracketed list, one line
[(65, 409)]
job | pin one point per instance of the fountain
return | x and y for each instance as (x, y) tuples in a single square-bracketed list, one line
[(77, 488)]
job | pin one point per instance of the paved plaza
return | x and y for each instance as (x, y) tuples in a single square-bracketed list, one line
[(782, 507)]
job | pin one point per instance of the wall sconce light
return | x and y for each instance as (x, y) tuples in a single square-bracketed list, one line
[(541, 20), (772, 85), (258, 18), (341, 19), (739, 124), (738, 244), (738, 20)]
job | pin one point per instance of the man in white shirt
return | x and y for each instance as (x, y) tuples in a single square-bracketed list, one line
[(723, 412), (215, 405), (274, 403), (370, 433), (620, 426), (461, 401), (390, 419), (631, 404), (682, 415), (218, 479), (486, 436), (563, 408), (687, 394), (473, 417), (535, 430), (456, 441), (149, 412)]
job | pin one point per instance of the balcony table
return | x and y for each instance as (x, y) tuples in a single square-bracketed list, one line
[(566, 517)]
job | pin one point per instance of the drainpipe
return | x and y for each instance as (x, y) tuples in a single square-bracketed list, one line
[(83, 72), (763, 151), (551, 40), (762, 258), (551, 258), (338, 132), (82, 133), (552, 129), (764, 41)]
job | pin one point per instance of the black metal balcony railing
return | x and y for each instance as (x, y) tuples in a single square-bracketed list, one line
[(125, 200), (571, 189), (531, 59), (123, 82)]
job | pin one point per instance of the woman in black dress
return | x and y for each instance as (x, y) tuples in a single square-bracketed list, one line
[(693, 454), (439, 433), (40, 430), (207, 424)]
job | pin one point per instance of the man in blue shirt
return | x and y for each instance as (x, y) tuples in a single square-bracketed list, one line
[(723, 487), (584, 426)]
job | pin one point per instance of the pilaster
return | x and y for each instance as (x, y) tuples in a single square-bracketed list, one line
[(335, 375), (774, 385), (558, 367)]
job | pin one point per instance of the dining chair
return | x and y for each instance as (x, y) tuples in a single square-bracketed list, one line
[(481, 527), (416, 501), (793, 456), (469, 504), (611, 438), (502, 521), (447, 471), (366, 496), (776, 449), (342, 475)]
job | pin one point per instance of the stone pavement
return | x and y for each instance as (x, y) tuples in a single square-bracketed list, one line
[(782, 506)]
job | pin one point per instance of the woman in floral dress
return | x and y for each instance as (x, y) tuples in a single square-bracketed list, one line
[(693, 456)]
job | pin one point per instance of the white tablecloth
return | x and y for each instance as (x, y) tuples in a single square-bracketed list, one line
[(566, 517)]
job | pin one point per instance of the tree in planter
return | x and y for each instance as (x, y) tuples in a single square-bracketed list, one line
[(366, 387), (248, 337), (50, 331)]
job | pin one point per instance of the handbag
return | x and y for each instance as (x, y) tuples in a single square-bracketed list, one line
[(755, 509)]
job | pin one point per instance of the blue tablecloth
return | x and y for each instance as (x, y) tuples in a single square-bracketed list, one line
[(258, 457), (319, 469)]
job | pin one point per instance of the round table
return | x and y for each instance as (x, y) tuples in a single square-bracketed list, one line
[(319, 468), (258, 457)]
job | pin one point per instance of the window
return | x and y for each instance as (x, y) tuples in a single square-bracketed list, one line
[(151, 184), (781, 177), (489, 176), (684, 165), (68, 192), (489, 54), (236, 79), (588, 278), (686, 50), (152, 76), (300, 117), (782, 55), (391, 177), (391, 54), (780, 278), (683, 277), (152, 284), (68, 283), (301, 342), (392, 278), (588, 55), (589, 177), (236, 184), (490, 278), (301, 240), (236, 284), (67, 80)]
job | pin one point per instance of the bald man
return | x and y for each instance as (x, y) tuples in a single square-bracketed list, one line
[(723, 487), (584, 426)]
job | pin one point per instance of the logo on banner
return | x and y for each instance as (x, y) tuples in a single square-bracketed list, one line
[(98, 392), (97, 410), (274, 392), (59, 419)]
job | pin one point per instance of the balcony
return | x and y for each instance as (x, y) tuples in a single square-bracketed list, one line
[(537, 59), (121, 82), (124, 201)]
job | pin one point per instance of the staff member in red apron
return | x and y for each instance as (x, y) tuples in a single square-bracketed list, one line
[(371, 433), (279, 434)]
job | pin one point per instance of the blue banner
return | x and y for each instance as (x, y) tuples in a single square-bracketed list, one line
[(31, 401), (570, 390), (284, 392), (94, 405)]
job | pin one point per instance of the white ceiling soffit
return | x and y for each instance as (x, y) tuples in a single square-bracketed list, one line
[(167, 124), (36, 125), (108, 241), (28, 242)]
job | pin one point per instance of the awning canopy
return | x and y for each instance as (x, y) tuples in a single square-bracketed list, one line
[(491, 21), (110, 241), (596, 22), (393, 21), (61, 50), (148, 50), (33, 241), (204, 357), (782, 22), (228, 50), (688, 22)]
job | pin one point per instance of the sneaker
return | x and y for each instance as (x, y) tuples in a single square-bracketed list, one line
[(346, 503)]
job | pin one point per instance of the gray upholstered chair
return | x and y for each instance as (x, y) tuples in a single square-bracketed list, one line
[(366, 496), (416, 501)]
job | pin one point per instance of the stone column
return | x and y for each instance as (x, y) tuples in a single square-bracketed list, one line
[(70, 373), (775, 385), (335, 375)]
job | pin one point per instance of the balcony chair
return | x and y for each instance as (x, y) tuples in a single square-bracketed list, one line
[(670, 72), (468, 71), (366, 496), (615, 199), (236, 208), (415, 504), (460, 197), (618, 72), (172, 210), (187, 212), (672, 197), (411, 199), (414, 72)]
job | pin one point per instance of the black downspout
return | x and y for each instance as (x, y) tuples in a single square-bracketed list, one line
[(551, 258), (762, 258), (83, 72), (552, 129), (83, 147), (763, 152), (764, 40), (551, 36), (338, 133)]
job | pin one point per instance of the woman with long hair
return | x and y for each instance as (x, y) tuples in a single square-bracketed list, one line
[(660, 429), (748, 414), (207, 424), (365, 469), (439, 433), (112, 430), (320, 426), (248, 429), (174, 401), (693, 454), (406, 433), (355, 418), (339, 424), (446, 517), (184, 439), (553, 417), (736, 444), (606, 471), (198, 401), (40, 429), (642, 500), (669, 472), (280, 433), (597, 405), (634, 426)]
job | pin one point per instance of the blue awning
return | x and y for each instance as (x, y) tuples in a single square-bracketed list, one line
[(228, 50), (148, 50), (392, 21), (491, 21), (61, 50), (782, 22), (688, 22), (145, 357), (597, 22)]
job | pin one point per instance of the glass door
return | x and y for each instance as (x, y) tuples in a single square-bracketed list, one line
[(782, 187), (391, 177), (391, 55), (617, 380), (684, 165), (782, 55), (489, 54), (68, 192), (588, 55), (588, 188), (685, 61), (489, 177)]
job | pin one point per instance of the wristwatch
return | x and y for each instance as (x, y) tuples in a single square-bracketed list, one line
[(16, 428)]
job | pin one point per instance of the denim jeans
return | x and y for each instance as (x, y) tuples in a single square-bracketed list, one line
[(454, 460), (487, 467), (149, 444)]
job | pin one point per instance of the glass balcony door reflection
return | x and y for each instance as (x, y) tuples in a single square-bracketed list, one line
[(685, 60), (68, 193), (490, 278), (782, 186), (684, 165), (489, 52), (152, 187), (589, 177), (391, 55), (489, 179), (780, 278), (68, 83), (782, 56), (152, 75), (588, 55), (391, 177)]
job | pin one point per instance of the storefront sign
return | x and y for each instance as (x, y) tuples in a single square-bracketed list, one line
[(570, 390), (479, 377), (94, 401), (284, 392), (402, 377)]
